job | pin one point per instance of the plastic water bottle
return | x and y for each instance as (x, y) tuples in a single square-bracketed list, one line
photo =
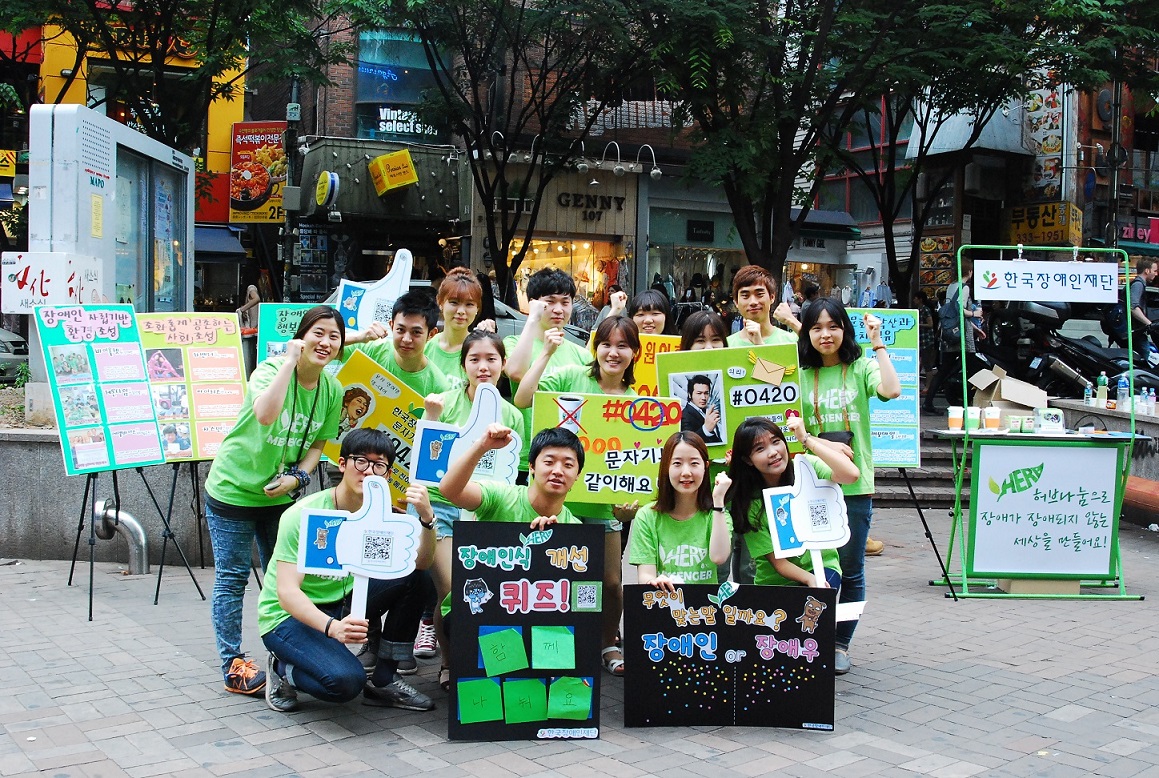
[(1088, 395), (1123, 393), (1151, 401), (1101, 392)]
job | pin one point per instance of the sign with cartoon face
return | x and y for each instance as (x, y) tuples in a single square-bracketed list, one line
[(373, 542), (525, 661), (363, 304), (720, 388), (728, 655), (809, 515), (439, 444)]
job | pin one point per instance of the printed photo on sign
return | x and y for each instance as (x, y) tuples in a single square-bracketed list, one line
[(171, 402), (356, 403), (70, 364), (165, 364), (703, 411)]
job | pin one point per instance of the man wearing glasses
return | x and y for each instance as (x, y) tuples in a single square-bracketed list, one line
[(305, 620)]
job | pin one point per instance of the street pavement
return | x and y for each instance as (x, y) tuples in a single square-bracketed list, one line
[(978, 687)]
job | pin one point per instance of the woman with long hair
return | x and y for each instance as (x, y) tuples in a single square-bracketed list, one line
[(291, 408), (836, 386)]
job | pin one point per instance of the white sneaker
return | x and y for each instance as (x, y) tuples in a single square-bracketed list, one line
[(426, 645)]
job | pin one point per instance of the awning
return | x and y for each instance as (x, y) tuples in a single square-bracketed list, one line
[(217, 240), (1002, 133), (1133, 247), (836, 225)]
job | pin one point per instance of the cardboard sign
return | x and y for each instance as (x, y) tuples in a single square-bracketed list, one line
[(363, 304), (96, 369), (439, 444), (374, 399), (197, 379), (257, 172), (741, 383), (1059, 282), (728, 655), (277, 323), (373, 542), (1048, 510), (32, 278), (622, 437), (525, 616), (647, 377), (810, 515), (391, 171), (896, 434)]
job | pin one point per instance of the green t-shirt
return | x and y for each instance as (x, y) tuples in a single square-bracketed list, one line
[(568, 353), (676, 548), (760, 540), (862, 379), (318, 588), (447, 362), (250, 454), (777, 337), (575, 378), (508, 503), (456, 409), (428, 380)]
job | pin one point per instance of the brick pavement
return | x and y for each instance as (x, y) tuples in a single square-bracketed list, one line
[(980, 687)]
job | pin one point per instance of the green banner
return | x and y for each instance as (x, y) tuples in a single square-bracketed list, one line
[(197, 378), (622, 439), (277, 323), (96, 369), (720, 388), (896, 437)]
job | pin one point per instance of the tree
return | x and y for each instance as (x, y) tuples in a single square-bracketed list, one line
[(761, 83), (531, 75), (221, 39)]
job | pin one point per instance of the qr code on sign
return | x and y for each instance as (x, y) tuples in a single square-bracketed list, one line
[(486, 464), (586, 597), (819, 514), (382, 309), (378, 547)]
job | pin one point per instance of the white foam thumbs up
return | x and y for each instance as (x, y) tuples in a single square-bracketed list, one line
[(438, 444), (375, 541)]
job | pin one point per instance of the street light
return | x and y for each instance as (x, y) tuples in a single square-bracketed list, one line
[(655, 172), (619, 168)]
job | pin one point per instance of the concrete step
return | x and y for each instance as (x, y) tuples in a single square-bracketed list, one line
[(896, 495), (933, 471)]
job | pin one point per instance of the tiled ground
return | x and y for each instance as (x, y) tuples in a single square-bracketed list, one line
[(980, 687)]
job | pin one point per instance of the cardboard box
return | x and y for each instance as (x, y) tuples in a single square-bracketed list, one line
[(1015, 398)]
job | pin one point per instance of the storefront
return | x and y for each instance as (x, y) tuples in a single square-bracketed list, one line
[(586, 227)]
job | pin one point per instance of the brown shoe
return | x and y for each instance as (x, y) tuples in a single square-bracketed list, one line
[(873, 547)]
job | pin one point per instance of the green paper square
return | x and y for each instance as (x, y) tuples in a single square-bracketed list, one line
[(587, 596), (503, 652), (524, 699), (480, 700), (552, 648), (570, 698)]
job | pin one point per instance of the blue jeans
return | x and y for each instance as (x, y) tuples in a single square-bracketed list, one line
[(326, 669), (852, 554), (232, 541)]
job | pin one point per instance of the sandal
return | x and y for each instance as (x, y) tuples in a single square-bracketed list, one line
[(445, 678), (613, 666)]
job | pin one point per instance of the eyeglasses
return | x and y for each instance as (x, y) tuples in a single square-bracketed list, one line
[(362, 464)]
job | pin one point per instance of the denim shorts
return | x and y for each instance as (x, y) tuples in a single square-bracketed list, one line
[(445, 517)]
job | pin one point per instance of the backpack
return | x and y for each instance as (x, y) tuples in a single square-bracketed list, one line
[(948, 317), (1115, 319)]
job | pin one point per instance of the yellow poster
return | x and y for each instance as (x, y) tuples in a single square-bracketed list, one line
[(97, 214), (646, 374), (374, 399), (8, 162)]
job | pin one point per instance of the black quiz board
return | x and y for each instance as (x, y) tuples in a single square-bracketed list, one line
[(756, 656), (525, 631)]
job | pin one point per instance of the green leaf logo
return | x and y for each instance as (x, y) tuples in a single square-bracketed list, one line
[(994, 486)]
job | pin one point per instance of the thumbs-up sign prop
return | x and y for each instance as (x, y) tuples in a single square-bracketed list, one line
[(372, 542), (363, 304), (808, 516), (438, 444)]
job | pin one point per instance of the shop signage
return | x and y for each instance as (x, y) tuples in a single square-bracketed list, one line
[(257, 172), (8, 162), (1148, 234), (397, 121), (700, 231), (1046, 224), (593, 206), (391, 171), (1063, 282), (326, 190), (32, 278)]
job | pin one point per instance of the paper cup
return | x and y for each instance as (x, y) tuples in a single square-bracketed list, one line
[(570, 408), (954, 417), (993, 418), (973, 418)]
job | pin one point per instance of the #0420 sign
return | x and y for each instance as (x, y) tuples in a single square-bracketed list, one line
[(729, 655), (525, 619), (720, 388), (622, 438), (197, 379), (896, 436), (104, 410)]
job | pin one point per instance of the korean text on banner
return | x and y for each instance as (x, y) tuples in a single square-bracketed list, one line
[(257, 172), (896, 437), (96, 370), (1057, 282)]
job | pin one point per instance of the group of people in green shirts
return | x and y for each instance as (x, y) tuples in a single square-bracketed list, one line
[(697, 522)]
